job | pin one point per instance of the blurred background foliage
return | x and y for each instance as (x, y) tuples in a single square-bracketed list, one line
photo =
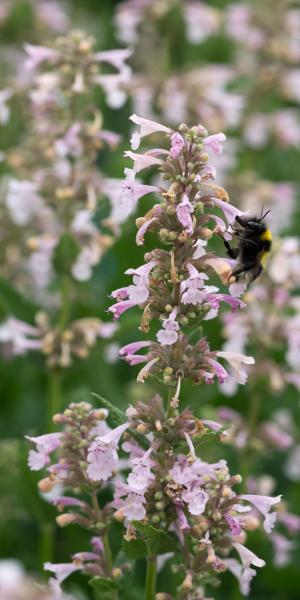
[(25, 519)]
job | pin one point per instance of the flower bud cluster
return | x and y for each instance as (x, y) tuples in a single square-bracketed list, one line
[(60, 346), (75, 482)]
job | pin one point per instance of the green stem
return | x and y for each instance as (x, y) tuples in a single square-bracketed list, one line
[(54, 396), (65, 303), (106, 545), (46, 550), (150, 579)]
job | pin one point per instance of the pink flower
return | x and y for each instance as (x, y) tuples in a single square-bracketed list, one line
[(45, 444), (264, 505), (214, 142), (183, 211), (230, 212), (102, 455), (37, 55), (244, 573), (128, 352), (61, 572), (199, 249), (282, 549), (236, 361), (116, 57), (133, 507), (196, 500), (141, 477), (118, 309), (20, 335), (168, 334), (143, 161), (177, 145), (219, 370), (233, 524), (133, 191), (146, 128), (67, 501)]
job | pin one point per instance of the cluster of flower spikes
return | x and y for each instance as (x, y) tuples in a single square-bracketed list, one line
[(72, 472), (166, 489), (51, 208), (59, 152)]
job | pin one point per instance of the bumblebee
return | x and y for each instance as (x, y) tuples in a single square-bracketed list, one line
[(254, 245)]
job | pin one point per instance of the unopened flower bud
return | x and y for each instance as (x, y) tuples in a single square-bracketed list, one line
[(119, 515), (250, 523), (116, 573), (206, 233), (65, 519), (47, 484)]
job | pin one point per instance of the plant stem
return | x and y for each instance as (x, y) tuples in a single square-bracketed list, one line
[(46, 551), (65, 302), (106, 545), (150, 579), (54, 396)]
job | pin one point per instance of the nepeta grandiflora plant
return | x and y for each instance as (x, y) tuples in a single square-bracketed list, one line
[(53, 200), (170, 500)]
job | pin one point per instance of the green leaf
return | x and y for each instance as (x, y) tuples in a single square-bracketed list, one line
[(135, 548), (105, 588), (65, 254), (118, 417), (156, 540)]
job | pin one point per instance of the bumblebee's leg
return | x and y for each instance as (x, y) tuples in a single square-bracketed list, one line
[(256, 273), (232, 252)]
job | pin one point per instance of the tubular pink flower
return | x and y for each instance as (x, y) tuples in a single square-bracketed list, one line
[(133, 347), (118, 309), (177, 144), (264, 505), (143, 270), (219, 371), (143, 161), (183, 211), (236, 361), (102, 455), (37, 55), (146, 128), (233, 524), (168, 334), (133, 191), (214, 143), (133, 507), (116, 58), (45, 444), (230, 212), (67, 501)]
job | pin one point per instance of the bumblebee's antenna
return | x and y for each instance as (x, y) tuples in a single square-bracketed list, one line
[(266, 213)]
